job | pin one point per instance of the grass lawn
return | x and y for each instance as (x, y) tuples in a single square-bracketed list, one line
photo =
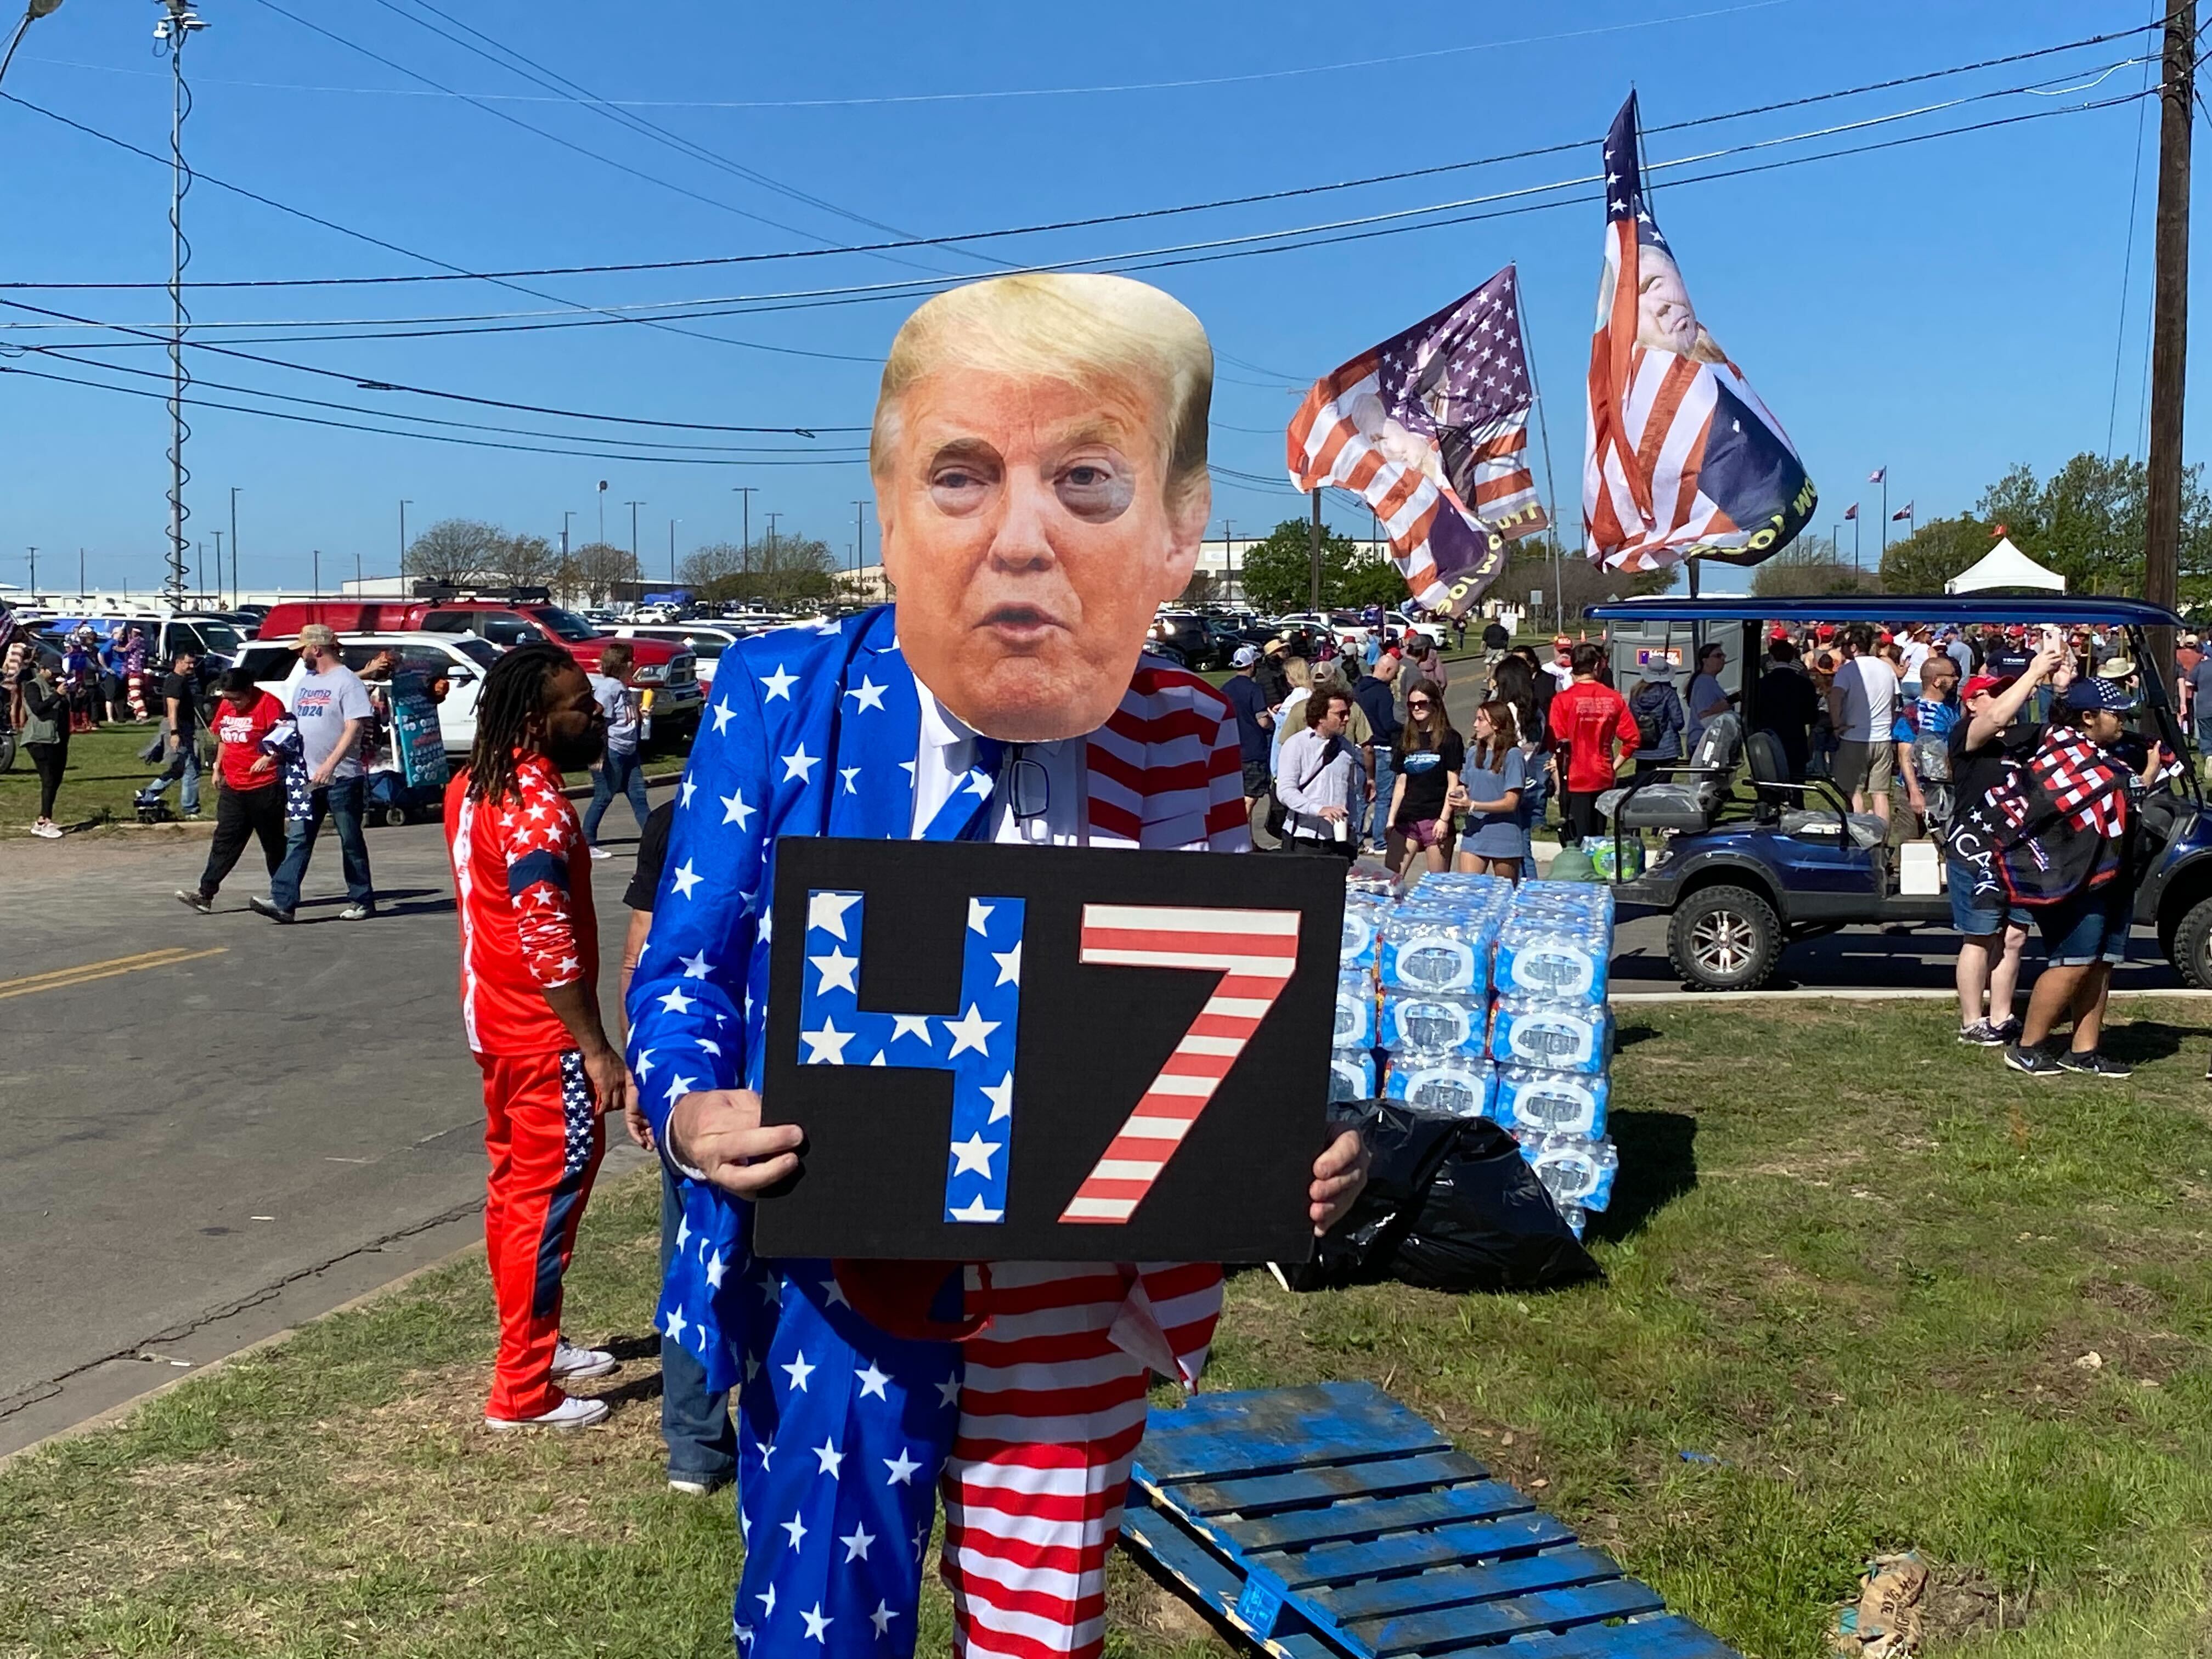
[(1859, 1268)]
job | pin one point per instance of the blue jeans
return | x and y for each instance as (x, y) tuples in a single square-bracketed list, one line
[(183, 763), (1385, 780), (340, 801), (621, 773), (702, 1443)]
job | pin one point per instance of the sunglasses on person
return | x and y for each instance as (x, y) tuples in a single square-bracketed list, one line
[(1419, 702)]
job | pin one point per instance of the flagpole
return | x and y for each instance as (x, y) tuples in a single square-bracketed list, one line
[(1551, 491), (1885, 510)]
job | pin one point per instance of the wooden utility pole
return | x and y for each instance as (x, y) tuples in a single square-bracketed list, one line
[(1313, 550), (2169, 352)]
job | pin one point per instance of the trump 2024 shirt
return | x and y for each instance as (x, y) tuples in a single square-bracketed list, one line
[(322, 703)]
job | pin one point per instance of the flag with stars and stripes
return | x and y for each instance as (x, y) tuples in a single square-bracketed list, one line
[(1431, 429), (1682, 460)]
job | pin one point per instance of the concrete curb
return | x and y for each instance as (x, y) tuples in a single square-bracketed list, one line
[(116, 1413), (1859, 993)]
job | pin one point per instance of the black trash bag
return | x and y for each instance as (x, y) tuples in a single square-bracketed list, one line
[(1450, 1205)]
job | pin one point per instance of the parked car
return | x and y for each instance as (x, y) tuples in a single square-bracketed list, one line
[(1740, 880), (1199, 640), (215, 640), (463, 659), (706, 642), (666, 673)]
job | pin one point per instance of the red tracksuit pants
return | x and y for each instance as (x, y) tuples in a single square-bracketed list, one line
[(545, 1140)]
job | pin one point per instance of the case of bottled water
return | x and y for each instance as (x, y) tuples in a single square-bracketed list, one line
[(1355, 1009), (1551, 1102), (1427, 948), (1574, 1169), (1553, 1036), (1362, 922), (1454, 1084), (1436, 1021), (1352, 1075)]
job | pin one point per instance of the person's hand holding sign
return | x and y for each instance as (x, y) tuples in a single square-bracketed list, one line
[(718, 1133), (1339, 1173)]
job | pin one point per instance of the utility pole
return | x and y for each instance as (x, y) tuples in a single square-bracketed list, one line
[(603, 510), (2169, 327), (636, 570), (1228, 559), (35, 572), (567, 513), (403, 506), (772, 518), (235, 596), (860, 540), (672, 523), (357, 578), (319, 572), (746, 546), (218, 563), (1313, 550), (173, 29), (80, 590)]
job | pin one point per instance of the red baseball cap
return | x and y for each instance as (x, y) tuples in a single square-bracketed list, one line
[(1825, 631), (1778, 632), (1993, 684)]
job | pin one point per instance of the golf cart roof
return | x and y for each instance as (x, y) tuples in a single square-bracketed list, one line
[(1962, 609)]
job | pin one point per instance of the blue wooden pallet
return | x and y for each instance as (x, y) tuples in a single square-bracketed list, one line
[(1331, 1522)]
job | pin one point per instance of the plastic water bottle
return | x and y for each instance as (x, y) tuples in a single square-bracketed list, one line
[(1425, 950), (1355, 1009), (1362, 922)]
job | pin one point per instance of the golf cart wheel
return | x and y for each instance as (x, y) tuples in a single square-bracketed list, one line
[(7, 751), (2193, 946), (395, 816), (1724, 939)]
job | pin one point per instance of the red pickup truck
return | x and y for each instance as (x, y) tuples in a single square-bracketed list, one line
[(667, 673)]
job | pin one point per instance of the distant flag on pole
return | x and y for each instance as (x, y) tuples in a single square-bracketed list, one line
[(1431, 429), (1682, 460), (1904, 512), (1852, 511), (1878, 475)]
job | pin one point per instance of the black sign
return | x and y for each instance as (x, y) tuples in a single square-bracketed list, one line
[(1007, 1053)]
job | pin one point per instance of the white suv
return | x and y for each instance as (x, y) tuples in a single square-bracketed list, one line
[(463, 659)]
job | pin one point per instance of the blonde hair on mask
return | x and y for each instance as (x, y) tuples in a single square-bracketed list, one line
[(1077, 326)]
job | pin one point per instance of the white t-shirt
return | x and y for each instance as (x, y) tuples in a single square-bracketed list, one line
[(1866, 700), (322, 703), (1915, 655)]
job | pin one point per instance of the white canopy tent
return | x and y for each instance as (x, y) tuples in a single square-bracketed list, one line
[(2004, 566)]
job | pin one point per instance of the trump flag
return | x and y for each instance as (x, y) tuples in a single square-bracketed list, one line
[(1682, 460), (1431, 429)]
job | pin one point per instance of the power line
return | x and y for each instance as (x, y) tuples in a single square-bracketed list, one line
[(453, 274), (426, 437), (1322, 234)]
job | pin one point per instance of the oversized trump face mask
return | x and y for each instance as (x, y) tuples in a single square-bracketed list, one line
[(1031, 528)]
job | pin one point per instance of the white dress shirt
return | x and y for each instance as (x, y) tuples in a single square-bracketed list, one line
[(948, 749)]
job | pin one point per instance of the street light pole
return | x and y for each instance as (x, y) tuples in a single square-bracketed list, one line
[(34, 575), (403, 506), (672, 523), (859, 541), (636, 570), (175, 28), (32, 12), (746, 547), (235, 596)]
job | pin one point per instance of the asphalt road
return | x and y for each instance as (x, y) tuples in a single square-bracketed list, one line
[(212, 1126)]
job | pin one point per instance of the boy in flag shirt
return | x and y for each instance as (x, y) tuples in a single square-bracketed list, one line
[(530, 962)]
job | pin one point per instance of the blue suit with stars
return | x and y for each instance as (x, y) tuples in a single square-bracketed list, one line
[(813, 732)]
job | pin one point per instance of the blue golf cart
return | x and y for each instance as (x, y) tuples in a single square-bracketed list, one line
[(1742, 880)]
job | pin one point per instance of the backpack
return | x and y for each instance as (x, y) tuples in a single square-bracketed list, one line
[(1931, 760), (1650, 728)]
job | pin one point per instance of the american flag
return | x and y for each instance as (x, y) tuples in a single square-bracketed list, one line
[(1683, 461), (1430, 428)]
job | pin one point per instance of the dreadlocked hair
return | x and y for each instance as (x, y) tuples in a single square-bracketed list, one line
[(513, 690)]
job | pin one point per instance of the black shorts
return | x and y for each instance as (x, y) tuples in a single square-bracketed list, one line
[(1257, 779)]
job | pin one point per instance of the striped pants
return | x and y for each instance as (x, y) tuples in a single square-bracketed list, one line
[(1033, 1466)]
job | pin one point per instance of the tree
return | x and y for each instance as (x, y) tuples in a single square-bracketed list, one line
[(713, 572), (456, 551), (1278, 573), (523, 560), (1810, 566), (789, 570), (588, 575), (1935, 553), (1368, 579)]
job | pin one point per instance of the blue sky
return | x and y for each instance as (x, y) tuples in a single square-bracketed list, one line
[(1945, 308)]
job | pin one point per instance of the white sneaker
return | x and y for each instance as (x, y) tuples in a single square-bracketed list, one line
[(601, 853), (47, 829), (689, 1486), (572, 1364), (576, 1410)]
